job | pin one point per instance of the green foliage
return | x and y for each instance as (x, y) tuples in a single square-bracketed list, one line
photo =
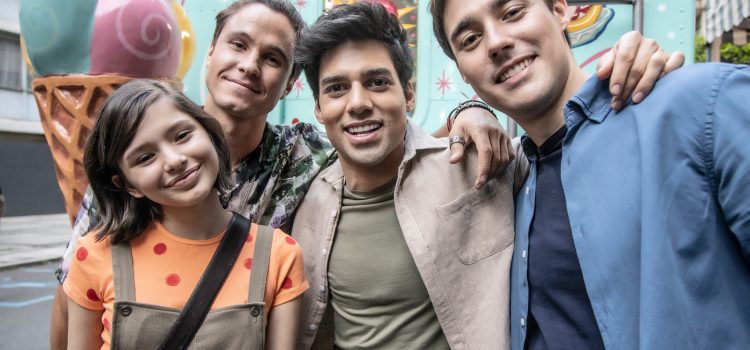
[(735, 54), (701, 55), (729, 52)]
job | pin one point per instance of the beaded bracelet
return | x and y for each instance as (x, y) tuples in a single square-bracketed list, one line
[(466, 105)]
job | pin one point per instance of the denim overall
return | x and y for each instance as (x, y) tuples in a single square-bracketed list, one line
[(144, 326)]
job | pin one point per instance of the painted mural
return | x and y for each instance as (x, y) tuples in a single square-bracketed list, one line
[(80, 50), (587, 22), (594, 28)]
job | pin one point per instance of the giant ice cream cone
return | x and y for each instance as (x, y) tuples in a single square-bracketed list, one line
[(68, 106), (82, 54)]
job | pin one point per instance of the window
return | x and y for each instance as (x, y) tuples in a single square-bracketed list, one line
[(13, 74)]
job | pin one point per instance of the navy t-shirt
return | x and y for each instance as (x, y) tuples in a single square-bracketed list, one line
[(560, 314)]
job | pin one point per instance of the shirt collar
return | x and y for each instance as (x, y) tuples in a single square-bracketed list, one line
[(592, 100), (553, 143), (417, 140)]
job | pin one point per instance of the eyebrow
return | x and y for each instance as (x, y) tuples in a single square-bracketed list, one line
[(171, 130), (375, 71), (332, 79), (280, 52), (275, 48), (366, 74), (468, 21)]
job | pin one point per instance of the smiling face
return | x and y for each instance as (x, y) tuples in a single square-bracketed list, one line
[(363, 105), (512, 52), (250, 64), (171, 159)]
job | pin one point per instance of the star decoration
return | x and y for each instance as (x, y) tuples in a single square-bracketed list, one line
[(298, 86), (444, 83), (301, 4)]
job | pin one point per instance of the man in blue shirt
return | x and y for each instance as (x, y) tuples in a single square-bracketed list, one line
[(633, 227)]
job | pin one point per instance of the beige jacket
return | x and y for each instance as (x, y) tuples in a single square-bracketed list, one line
[(461, 240)]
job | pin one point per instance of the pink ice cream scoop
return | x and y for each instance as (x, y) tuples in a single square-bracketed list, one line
[(139, 38)]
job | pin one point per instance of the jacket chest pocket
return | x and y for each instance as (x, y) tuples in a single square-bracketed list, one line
[(479, 223)]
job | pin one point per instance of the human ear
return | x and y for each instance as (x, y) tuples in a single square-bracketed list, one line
[(208, 56), (289, 86), (317, 112), (409, 96), (560, 9)]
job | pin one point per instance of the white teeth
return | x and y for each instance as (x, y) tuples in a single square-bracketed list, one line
[(515, 69), (363, 128)]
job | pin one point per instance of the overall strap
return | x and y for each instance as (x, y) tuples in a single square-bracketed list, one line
[(192, 315), (122, 272), (261, 260)]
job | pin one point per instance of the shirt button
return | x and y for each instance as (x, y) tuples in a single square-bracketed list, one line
[(527, 189), (333, 213), (523, 254), (325, 251), (313, 326), (523, 322), (322, 288), (126, 311), (255, 311)]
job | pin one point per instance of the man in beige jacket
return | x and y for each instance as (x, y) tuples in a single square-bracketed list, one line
[(401, 251)]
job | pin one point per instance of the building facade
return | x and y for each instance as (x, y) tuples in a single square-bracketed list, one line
[(27, 174)]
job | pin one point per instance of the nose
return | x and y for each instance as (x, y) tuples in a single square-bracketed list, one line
[(249, 64), (173, 160), (498, 42), (359, 100)]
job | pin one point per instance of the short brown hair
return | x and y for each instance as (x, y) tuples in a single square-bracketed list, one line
[(360, 21), (281, 6), (124, 217)]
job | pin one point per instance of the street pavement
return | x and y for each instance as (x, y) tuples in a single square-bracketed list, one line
[(30, 251), (32, 239), (26, 295)]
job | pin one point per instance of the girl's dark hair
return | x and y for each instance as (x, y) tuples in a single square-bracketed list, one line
[(124, 217), (352, 23)]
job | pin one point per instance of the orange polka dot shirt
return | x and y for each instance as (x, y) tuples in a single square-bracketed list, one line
[(167, 268)]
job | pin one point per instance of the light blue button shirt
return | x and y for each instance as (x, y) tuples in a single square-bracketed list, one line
[(658, 197)]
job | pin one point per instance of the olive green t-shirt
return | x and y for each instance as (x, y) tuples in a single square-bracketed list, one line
[(377, 295)]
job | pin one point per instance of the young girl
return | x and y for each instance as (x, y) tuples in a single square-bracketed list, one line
[(157, 163)]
